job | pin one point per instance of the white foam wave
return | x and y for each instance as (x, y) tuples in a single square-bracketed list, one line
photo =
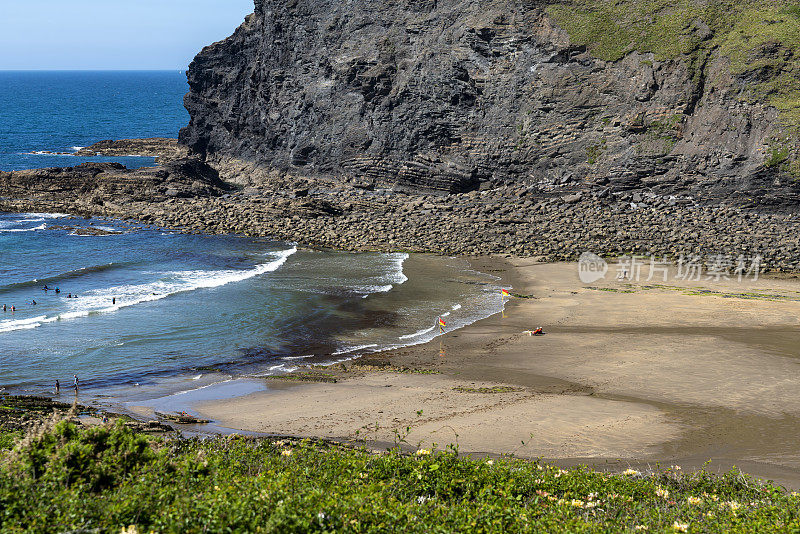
[(354, 349), (456, 307), (42, 226), (399, 277), (289, 358), (37, 215), (22, 324), (76, 148), (418, 333), (96, 301)]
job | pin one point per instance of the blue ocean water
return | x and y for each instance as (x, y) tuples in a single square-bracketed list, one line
[(59, 111), (159, 312), (150, 308)]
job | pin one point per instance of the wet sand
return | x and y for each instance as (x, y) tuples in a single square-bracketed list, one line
[(628, 373)]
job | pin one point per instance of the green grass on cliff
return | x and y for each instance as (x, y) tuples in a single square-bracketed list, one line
[(761, 38), (112, 480)]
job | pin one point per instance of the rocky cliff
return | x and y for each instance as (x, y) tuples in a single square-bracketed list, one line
[(450, 94)]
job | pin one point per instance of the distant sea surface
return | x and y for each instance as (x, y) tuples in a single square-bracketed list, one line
[(59, 111)]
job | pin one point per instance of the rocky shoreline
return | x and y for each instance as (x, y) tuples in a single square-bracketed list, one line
[(551, 220)]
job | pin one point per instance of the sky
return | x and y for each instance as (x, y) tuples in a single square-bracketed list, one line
[(112, 34)]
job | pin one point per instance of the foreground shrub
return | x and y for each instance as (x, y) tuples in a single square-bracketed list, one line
[(106, 479)]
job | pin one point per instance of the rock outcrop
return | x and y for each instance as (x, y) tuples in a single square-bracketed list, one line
[(162, 148), (98, 183), (448, 95)]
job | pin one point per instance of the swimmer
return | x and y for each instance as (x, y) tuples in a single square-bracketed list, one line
[(33, 302), (4, 308), (113, 300), (45, 288), (58, 291), (58, 387), (69, 295)]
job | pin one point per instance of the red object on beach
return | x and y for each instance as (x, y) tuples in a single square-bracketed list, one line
[(538, 332)]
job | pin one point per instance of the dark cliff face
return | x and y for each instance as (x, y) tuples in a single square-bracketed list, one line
[(446, 94)]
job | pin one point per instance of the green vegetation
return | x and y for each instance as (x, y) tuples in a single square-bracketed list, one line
[(486, 390), (109, 479), (760, 37), (594, 152)]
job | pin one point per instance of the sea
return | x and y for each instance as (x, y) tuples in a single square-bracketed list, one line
[(139, 312)]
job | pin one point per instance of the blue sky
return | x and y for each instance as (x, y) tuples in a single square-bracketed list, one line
[(112, 34)]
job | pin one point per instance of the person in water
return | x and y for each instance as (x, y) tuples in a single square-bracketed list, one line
[(33, 302), (75, 377), (113, 300), (58, 291), (69, 295), (58, 387), (4, 307), (45, 288)]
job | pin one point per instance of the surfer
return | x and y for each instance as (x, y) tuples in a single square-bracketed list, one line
[(113, 300), (58, 291), (33, 302), (45, 288), (69, 295)]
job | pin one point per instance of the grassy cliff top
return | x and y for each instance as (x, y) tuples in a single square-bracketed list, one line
[(108, 479), (761, 38)]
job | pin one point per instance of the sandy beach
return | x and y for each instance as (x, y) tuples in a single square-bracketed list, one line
[(628, 373)]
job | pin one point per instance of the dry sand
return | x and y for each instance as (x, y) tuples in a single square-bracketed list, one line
[(628, 373)]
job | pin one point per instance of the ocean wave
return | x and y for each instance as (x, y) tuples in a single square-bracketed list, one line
[(38, 215), (22, 324), (385, 282), (68, 275), (354, 349), (304, 357), (40, 227), (96, 301), (456, 307), (418, 333)]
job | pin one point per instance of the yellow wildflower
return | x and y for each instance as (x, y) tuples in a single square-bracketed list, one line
[(577, 503), (733, 505), (286, 452), (423, 452), (640, 527), (661, 492), (694, 501), (680, 527), (630, 471)]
